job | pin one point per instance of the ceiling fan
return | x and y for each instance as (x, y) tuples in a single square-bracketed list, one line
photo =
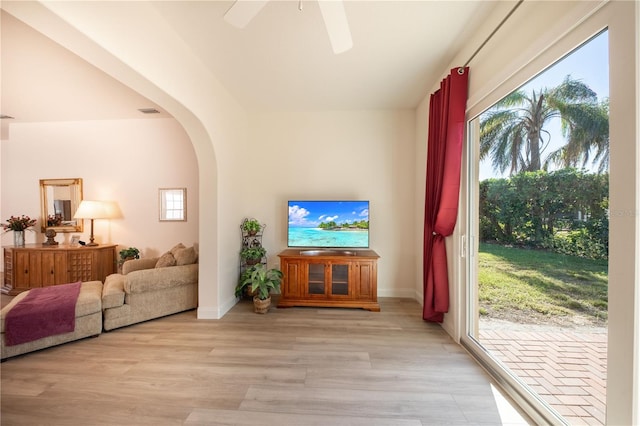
[(333, 14)]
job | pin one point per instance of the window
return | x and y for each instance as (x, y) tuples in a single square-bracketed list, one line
[(173, 204)]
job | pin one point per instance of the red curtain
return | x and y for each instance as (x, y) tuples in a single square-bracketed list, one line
[(444, 153)]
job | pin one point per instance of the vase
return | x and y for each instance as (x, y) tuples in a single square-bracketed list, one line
[(18, 238)]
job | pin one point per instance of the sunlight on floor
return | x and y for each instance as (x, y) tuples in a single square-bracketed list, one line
[(509, 416)]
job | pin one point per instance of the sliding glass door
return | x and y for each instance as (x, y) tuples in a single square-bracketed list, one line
[(537, 263)]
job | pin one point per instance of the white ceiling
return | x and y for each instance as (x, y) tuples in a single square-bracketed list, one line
[(281, 60)]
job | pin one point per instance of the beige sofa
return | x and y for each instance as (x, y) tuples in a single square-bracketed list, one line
[(144, 291), (88, 321), (147, 289)]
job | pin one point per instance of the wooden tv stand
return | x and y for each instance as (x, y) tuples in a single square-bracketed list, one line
[(329, 278)]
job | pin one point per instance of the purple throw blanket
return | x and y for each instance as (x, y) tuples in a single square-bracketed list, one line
[(43, 312)]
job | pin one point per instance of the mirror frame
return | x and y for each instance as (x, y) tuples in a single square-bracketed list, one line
[(75, 185)]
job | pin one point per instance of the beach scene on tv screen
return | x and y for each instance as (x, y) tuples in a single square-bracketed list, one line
[(328, 224)]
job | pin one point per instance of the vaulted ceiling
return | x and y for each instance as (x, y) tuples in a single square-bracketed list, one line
[(281, 60), (283, 57)]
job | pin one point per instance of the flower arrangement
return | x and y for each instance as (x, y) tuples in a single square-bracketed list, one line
[(54, 220), (18, 223)]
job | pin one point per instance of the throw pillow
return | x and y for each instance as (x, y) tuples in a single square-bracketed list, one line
[(165, 260), (186, 256), (175, 249)]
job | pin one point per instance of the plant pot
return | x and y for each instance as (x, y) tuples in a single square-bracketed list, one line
[(261, 306), (252, 262), (248, 294)]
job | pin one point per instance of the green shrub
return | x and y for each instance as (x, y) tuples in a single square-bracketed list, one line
[(579, 243)]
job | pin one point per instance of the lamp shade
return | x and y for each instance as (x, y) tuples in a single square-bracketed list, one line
[(94, 210), (113, 209)]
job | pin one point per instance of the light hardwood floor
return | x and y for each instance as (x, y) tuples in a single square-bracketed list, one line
[(296, 366)]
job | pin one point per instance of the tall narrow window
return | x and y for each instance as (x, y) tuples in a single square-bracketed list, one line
[(538, 296)]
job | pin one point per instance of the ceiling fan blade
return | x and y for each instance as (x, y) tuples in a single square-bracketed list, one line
[(335, 19), (243, 11)]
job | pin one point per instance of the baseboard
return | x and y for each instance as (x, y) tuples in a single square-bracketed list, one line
[(207, 312), (226, 307), (210, 312), (405, 293)]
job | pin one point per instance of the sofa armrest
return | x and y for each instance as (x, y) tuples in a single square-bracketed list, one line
[(113, 291), (160, 278), (139, 264)]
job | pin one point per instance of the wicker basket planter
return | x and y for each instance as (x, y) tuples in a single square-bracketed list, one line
[(261, 306)]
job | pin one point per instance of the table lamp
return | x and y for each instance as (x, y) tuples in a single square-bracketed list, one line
[(94, 210)]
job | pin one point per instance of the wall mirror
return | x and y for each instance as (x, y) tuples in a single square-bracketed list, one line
[(173, 204), (59, 200)]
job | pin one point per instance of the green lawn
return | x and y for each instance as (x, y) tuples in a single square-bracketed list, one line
[(528, 285)]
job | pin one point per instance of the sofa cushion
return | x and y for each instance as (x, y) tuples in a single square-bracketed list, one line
[(139, 264), (186, 256), (113, 291), (159, 279), (165, 260), (175, 249), (89, 301)]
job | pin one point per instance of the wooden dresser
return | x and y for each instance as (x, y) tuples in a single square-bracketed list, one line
[(35, 265), (329, 278)]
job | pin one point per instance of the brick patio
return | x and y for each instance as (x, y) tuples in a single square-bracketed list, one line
[(566, 368)]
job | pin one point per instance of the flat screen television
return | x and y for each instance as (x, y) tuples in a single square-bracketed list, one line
[(328, 224)]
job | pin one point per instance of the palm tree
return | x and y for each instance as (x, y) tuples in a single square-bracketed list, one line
[(513, 132), (588, 134)]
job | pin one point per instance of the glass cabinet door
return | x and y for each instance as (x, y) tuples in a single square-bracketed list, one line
[(340, 279), (316, 279)]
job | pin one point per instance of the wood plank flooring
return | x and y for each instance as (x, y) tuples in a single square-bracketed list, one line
[(296, 366)]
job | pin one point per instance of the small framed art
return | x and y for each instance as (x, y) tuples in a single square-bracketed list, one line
[(75, 240)]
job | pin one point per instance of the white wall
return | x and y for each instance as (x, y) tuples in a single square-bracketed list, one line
[(337, 155), (122, 160)]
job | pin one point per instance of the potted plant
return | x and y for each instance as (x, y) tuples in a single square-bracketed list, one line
[(18, 225), (251, 226), (253, 255), (243, 288), (261, 281), (128, 254)]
